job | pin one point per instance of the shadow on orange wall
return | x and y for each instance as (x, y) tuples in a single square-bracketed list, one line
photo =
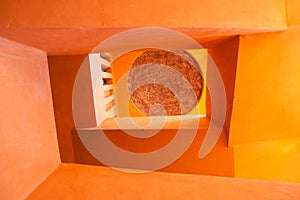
[(225, 56), (63, 70)]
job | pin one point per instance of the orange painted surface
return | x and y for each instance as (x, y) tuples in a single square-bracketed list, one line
[(269, 160), (263, 123), (76, 27), (225, 57), (74, 41), (135, 13), (267, 88), (63, 70), (293, 9), (91, 182), (28, 143), (219, 162)]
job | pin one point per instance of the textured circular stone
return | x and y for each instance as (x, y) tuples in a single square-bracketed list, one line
[(165, 82)]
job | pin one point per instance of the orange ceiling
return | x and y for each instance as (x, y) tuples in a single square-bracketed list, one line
[(65, 27)]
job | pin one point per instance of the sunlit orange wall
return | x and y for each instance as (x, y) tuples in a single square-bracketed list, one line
[(269, 160), (267, 90), (28, 143), (265, 121), (293, 9)]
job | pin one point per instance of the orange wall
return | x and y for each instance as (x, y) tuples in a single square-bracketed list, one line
[(265, 121), (28, 142), (293, 9), (225, 57), (269, 160), (88, 182), (218, 163), (267, 88), (63, 70), (136, 13), (76, 27), (264, 128)]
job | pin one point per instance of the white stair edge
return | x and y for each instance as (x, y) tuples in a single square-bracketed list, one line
[(109, 99), (108, 87), (104, 62), (111, 112), (106, 75)]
